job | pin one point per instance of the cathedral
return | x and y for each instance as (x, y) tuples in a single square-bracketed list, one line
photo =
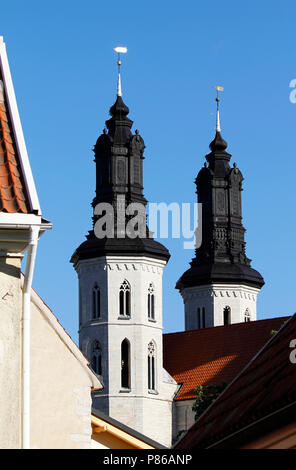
[(128, 385), (120, 286)]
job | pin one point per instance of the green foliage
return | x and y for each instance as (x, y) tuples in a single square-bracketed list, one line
[(205, 396), (273, 332)]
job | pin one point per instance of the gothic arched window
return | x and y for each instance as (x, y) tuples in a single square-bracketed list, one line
[(151, 366), (151, 311), (96, 358), (96, 302), (125, 299), (247, 315), (125, 364), (227, 315)]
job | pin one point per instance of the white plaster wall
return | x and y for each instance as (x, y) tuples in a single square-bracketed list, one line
[(60, 390), (239, 299), (183, 417), (158, 416), (10, 353), (215, 298)]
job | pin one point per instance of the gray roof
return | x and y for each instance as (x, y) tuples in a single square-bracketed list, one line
[(127, 429)]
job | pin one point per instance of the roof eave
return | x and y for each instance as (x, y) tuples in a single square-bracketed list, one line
[(18, 131)]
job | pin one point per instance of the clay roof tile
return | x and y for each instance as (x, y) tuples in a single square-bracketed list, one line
[(211, 356), (13, 193), (264, 385)]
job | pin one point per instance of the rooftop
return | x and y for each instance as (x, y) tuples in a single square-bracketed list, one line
[(265, 386), (17, 189), (127, 429), (214, 355), (13, 194)]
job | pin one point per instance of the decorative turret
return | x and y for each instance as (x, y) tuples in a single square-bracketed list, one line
[(120, 287), (221, 258), (119, 156)]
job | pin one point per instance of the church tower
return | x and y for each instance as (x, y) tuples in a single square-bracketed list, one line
[(120, 270), (220, 287)]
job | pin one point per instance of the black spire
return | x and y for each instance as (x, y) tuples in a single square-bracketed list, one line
[(218, 143), (119, 125), (119, 156), (221, 256)]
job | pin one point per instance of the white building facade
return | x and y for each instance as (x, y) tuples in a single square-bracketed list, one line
[(123, 341), (219, 304)]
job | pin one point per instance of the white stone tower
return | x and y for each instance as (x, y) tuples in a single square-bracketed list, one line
[(220, 287), (120, 288)]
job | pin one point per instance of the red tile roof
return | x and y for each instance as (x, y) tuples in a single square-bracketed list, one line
[(13, 194), (211, 356), (266, 385)]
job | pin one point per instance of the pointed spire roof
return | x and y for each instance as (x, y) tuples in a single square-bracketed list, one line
[(17, 189), (119, 50), (119, 92), (119, 109), (218, 144), (218, 128), (119, 125)]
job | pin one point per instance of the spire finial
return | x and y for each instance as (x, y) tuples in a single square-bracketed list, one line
[(218, 88), (119, 50)]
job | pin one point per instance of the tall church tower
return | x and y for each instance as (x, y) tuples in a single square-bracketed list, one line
[(120, 287), (220, 287)]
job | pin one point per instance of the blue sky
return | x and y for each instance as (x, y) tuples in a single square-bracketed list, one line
[(64, 73)]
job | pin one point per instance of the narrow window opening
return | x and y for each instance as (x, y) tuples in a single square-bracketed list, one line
[(152, 307), (127, 303), (99, 365), (198, 319), (96, 302), (151, 302), (94, 363), (227, 315), (203, 317), (151, 367), (96, 360), (247, 315), (125, 364), (125, 300), (121, 302)]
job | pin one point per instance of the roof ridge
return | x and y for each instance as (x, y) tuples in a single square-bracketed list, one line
[(22, 198), (256, 409), (226, 326)]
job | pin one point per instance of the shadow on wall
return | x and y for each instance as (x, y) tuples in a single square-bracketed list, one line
[(8, 267)]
